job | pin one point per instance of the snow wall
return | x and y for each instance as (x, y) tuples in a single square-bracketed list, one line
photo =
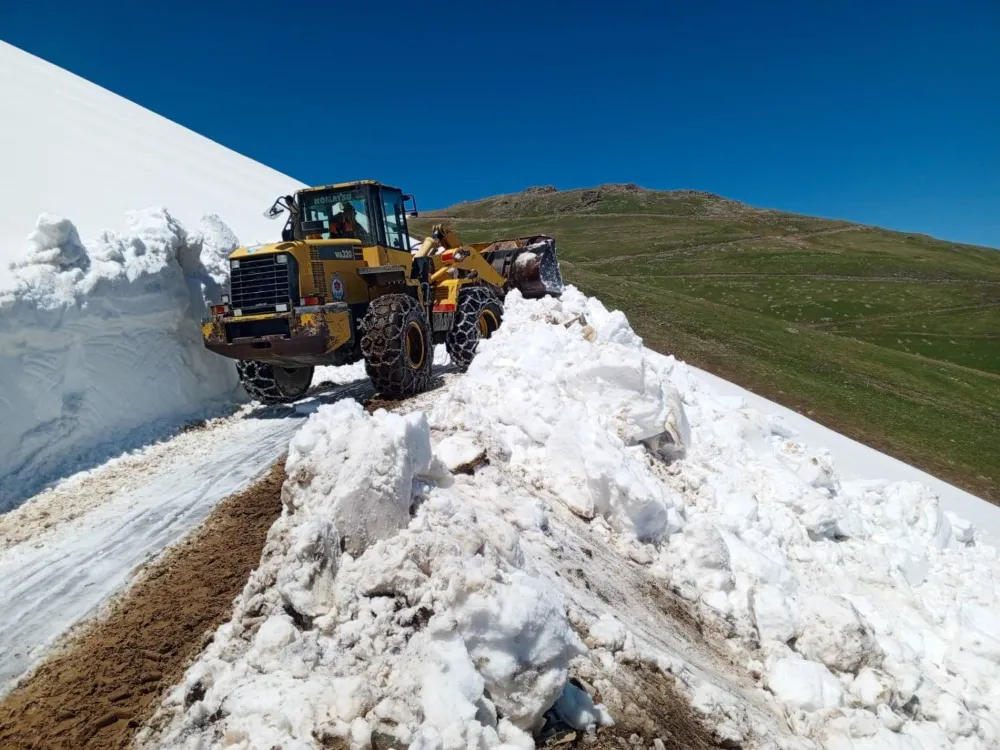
[(100, 345)]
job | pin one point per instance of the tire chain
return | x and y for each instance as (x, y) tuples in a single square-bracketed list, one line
[(463, 338), (258, 380), (383, 346)]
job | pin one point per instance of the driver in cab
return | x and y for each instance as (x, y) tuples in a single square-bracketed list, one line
[(345, 224)]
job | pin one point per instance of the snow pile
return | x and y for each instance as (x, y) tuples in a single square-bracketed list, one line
[(102, 342), (363, 623), (869, 612), (420, 585), (578, 408)]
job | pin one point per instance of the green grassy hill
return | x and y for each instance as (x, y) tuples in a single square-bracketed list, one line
[(888, 337)]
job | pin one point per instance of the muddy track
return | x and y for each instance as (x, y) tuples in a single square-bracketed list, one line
[(698, 247), (928, 312), (755, 275), (108, 678)]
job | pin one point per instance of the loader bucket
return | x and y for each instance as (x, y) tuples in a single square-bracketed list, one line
[(529, 264)]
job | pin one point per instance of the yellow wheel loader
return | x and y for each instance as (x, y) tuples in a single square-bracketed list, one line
[(347, 283)]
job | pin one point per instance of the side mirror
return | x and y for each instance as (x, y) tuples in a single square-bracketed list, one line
[(275, 210), (412, 213)]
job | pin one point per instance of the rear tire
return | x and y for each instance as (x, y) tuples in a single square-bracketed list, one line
[(479, 315), (396, 345), (273, 384)]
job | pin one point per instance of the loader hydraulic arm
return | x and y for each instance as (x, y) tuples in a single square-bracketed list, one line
[(441, 237)]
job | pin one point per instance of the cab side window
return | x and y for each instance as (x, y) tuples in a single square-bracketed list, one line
[(392, 204)]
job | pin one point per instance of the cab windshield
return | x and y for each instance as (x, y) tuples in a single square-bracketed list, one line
[(336, 214)]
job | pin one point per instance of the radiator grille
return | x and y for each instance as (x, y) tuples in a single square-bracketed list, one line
[(258, 284)]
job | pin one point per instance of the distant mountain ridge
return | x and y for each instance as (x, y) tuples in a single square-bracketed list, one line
[(887, 336), (613, 198)]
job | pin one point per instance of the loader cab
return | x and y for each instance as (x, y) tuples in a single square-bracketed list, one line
[(367, 211)]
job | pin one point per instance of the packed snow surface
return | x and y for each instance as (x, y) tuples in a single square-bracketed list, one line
[(75, 149), (100, 342), (397, 599), (92, 531)]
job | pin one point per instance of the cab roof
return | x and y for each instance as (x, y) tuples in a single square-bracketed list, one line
[(342, 185)]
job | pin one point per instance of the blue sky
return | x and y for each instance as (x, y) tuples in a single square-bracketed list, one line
[(882, 112)]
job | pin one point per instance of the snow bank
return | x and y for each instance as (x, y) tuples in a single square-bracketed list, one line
[(100, 343), (361, 622)]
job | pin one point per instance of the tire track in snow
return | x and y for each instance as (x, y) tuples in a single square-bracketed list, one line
[(54, 581), (52, 584), (109, 678), (112, 671)]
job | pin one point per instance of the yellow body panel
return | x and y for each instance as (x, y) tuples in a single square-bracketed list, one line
[(374, 256), (298, 248), (355, 288), (446, 293)]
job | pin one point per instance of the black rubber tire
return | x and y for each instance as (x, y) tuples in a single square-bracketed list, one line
[(271, 384), (396, 345), (479, 314)]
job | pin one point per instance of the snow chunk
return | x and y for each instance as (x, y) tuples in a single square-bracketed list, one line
[(871, 688), (331, 466), (579, 414), (774, 615), (833, 634), (607, 632), (459, 450), (521, 640), (804, 684), (54, 242)]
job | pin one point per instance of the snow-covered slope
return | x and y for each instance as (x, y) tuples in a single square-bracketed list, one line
[(99, 338), (72, 148), (447, 610), (856, 460)]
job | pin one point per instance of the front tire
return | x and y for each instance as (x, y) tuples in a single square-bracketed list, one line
[(273, 384), (479, 315), (396, 345)]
